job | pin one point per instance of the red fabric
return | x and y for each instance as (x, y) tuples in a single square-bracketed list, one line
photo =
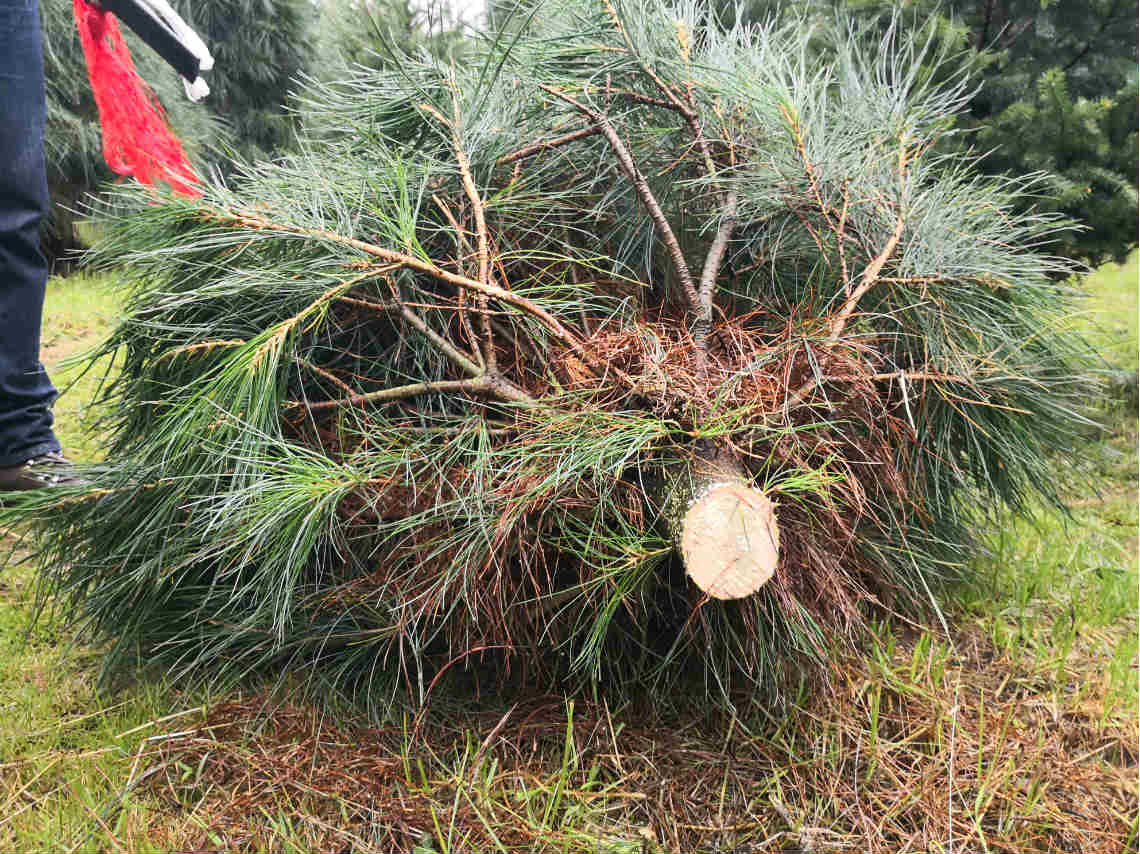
[(137, 140)]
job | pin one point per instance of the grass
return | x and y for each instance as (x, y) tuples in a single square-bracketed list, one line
[(1111, 320), (1016, 733), (79, 310)]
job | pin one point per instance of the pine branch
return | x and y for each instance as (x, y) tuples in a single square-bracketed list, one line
[(676, 102), (711, 269), (549, 321), (546, 145), (486, 385), (625, 161), (248, 220)]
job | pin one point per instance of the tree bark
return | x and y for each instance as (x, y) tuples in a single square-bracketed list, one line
[(724, 528)]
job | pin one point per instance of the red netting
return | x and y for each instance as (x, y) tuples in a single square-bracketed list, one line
[(137, 140)]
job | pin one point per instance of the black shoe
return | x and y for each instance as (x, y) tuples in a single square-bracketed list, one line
[(50, 469)]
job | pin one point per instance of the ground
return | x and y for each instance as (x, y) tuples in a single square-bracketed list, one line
[(1017, 731)]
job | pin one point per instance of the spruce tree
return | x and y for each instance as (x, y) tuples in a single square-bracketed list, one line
[(636, 350)]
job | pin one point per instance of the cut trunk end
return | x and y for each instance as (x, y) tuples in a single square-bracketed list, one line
[(726, 532)]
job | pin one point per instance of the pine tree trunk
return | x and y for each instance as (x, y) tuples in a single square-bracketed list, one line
[(724, 528)]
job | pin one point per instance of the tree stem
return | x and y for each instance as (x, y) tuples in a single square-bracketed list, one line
[(711, 269)]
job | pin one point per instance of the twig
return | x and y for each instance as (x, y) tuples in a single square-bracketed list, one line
[(838, 224), (328, 375), (867, 281), (909, 376), (688, 111), (545, 144), (648, 100), (400, 259), (691, 115), (13, 798), (798, 134), (491, 737), (625, 161), (464, 247), (871, 273), (841, 241), (480, 235), (414, 320), (495, 387)]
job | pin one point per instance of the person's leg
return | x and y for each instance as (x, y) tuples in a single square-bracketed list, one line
[(26, 393)]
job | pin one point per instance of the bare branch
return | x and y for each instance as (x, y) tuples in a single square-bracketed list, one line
[(867, 281), (464, 248), (482, 385), (841, 239), (871, 272), (328, 375), (480, 235), (648, 100)]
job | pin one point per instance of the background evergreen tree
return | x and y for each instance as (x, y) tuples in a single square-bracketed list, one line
[(511, 352), (260, 48), (1057, 94), (72, 138), (377, 33)]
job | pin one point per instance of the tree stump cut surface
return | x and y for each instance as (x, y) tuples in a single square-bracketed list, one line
[(730, 540)]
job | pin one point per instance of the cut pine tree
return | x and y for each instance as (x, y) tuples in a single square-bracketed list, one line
[(639, 347)]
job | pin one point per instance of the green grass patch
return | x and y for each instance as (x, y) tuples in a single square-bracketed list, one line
[(67, 750), (79, 312), (1112, 317)]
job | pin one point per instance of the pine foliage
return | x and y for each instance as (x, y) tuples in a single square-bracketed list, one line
[(415, 397)]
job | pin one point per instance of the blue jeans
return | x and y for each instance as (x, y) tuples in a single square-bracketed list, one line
[(26, 393)]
